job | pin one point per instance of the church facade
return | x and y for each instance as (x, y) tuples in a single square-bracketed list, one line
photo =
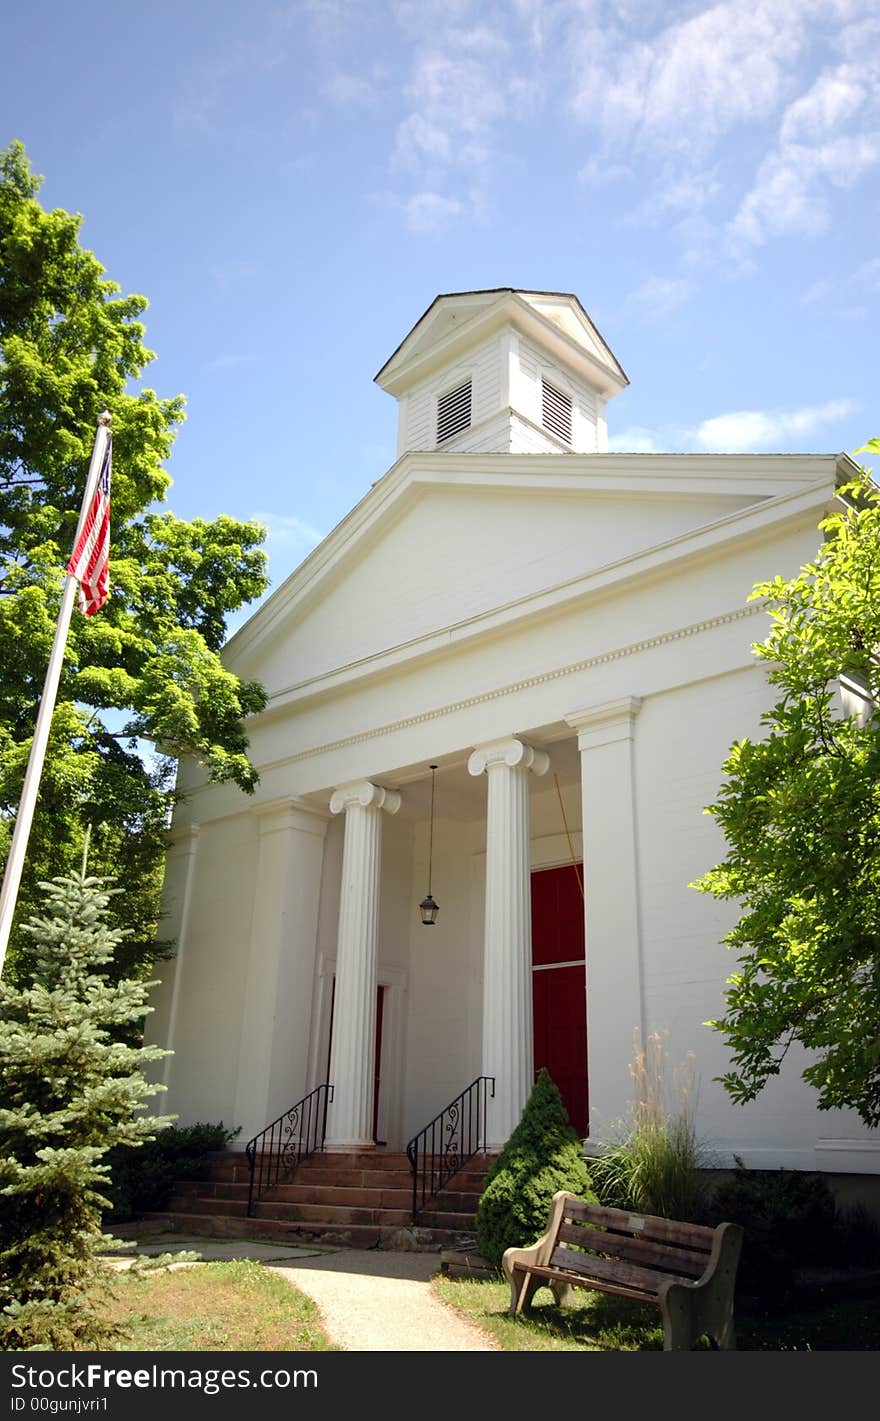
[(508, 679)]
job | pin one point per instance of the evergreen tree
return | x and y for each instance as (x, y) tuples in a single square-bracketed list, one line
[(543, 1155), (70, 1090)]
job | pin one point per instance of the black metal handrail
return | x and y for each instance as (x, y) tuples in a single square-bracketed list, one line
[(276, 1151), (448, 1141)]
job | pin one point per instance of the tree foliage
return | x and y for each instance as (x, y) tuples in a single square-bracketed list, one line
[(800, 810), (543, 1155), (70, 1091), (147, 666)]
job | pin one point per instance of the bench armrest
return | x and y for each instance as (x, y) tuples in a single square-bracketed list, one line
[(705, 1304), (517, 1262)]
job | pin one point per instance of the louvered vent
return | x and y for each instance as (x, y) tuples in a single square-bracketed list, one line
[(454, 411), (556, 411)]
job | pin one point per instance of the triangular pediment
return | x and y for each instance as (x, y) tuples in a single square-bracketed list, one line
[(567, 313), (449, 546), (460, 319)]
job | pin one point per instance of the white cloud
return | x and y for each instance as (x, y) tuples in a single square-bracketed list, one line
[(636, 440), (431, 211), (792, 190), (456, 101), (657, 298), (694, 80), (835, 98), (600, 169), (753, 430), (741, 432), (355, 90)]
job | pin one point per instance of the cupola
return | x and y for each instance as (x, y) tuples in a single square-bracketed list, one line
[(503, 371)]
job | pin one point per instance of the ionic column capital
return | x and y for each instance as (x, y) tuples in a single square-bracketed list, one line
[(516, 754), (367, 795)]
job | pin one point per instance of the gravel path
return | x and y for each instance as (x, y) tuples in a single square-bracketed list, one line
[(382, 1302)]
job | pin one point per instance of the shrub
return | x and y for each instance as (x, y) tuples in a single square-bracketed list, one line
[(655, 1166), (142, 1180), (789, 1221), (543, 1154)]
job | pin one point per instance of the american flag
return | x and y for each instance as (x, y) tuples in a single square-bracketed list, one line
[(88, 562)]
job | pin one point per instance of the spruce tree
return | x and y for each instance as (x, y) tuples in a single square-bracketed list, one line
[(70, 1089), (543, 1155)]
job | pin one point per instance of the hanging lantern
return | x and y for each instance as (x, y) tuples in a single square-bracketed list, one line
[(428, 908)]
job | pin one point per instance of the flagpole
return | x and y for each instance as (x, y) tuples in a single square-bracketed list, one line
[(33, 774)]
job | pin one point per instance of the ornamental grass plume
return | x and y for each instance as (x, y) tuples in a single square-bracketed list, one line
[(655, 1163)]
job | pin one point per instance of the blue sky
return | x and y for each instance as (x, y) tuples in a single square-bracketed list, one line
[(291, 185)]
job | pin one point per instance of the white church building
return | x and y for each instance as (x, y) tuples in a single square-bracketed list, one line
[(564, 634)]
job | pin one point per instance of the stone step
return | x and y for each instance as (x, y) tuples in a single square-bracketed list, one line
[(335, 1214), (211, 1188), (296, 1193), (324, 1234), (377, 1160), (445, 1219), (329, 1213), (457, 1201), (352, 1178), (201, 1204)]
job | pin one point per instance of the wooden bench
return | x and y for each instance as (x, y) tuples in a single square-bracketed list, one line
[(685, 1270)]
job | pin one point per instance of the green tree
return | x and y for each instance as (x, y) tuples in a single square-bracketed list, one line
[(543, 1155), (800, 810), (147, 666), (70, 1091)]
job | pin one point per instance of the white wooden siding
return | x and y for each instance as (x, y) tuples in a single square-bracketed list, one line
[(483, 368)]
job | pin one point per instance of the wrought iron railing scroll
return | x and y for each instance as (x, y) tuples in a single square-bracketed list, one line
[(448, 1141)]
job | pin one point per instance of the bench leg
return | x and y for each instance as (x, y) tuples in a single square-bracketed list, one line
[(726, 1338), (678, 1322), (563, 1294), (523, 1287)]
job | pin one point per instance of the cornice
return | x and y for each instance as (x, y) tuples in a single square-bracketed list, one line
[(572, 668)]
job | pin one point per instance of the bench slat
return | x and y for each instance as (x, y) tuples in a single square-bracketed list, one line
[(586, 1265), (600, 1285), (695, 1236), (642, 1250)]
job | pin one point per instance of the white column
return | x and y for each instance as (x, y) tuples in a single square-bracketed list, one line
[(611, 904), (353, 1048), (272, 1058), (508, 1033)]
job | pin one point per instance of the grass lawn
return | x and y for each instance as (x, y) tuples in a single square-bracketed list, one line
[(598, 1322), (213, 1307)]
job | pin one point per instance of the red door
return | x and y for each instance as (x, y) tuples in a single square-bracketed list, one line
[(377, 1077), (559, 996)]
